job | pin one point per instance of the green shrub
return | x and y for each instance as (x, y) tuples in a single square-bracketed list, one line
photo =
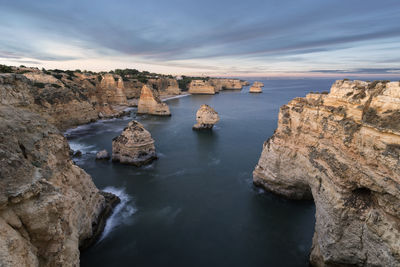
[(39, 85), (5, 69)]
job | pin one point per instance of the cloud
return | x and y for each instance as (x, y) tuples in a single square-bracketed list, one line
[(215, 35)]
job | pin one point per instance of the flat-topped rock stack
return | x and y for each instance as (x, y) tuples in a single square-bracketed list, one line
[(206, 117), (256, 87), (201, 87), (150, 103), (343, 150), (226, 84), (134, 146)]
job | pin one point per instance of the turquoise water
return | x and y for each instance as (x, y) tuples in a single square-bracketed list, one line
[(196, 205)]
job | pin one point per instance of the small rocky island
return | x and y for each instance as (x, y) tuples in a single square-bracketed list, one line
[(342, 149), (206, 117), (150, 103), (256, 87), (134, 146)]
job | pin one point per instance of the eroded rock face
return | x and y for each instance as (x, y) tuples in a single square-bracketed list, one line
[(226, 84), (102, 155), (48, 205), (113, 87), (150, 103), (134, 146), (206, 117), (342, 149), (201, 87), (256, 87), (165, 86)]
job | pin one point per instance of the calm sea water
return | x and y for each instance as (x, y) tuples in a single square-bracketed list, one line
[(196, 205)]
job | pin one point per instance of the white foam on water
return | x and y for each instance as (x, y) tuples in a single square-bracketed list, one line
[(82, 147), (122, 213)]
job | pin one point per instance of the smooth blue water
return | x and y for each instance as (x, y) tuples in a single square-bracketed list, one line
[(196, 205)]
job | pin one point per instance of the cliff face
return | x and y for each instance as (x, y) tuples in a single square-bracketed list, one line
[(48, 205), (165, 86), (226, 84), (201, 87), (342, 149), (150, 103)]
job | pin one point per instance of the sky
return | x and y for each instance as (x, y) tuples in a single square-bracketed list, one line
[(208, 37)]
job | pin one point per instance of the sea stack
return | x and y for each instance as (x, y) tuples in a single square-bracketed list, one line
[(206, 117), (150, 103), (134, 146), (256, 87), (200, 87), (342, 149)]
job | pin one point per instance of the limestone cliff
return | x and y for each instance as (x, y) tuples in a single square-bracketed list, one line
[(48, 205), (165, 86), (256, 87), (343, 150), (201, 87), (113, 89), (150, 103), (226, 84)]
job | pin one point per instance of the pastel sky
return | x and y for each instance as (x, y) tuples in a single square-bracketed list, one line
[(218, 37)]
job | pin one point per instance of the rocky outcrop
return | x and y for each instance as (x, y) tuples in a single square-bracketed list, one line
[(165, 86), (134, 146), (133, 88), (201, 87), (256, 87), (226, 84), (102, 155), (206, 117), (343, 150), (150, 103), (48, 205), (113, 87)]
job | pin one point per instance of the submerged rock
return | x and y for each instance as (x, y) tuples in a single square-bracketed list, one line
[(150, 103), (256, 87), (342, 149), (77, 154), (102, 155), (206, 117), (134, 146)]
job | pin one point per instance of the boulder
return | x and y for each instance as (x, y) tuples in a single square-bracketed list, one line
[(102, 155), (206, 117), (150, 103), (134, 146)]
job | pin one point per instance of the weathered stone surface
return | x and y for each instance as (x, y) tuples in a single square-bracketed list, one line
[(48, 205), (256, 87), (113, 88), (206, 117), (226, 84), (201, 87), (150, 103), (134, 146), (342, 149), (165, 86), (102, 155), (133, 88)]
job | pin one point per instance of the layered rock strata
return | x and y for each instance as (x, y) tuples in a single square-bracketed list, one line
[(134, 146), (165, 86), (201, 87), (343, 150), (206, 117), (150, 103), (226, 84), (49, 207)]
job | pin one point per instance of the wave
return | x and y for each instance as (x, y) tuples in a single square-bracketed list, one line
[(174, 97), (85, 149), (122, 212)]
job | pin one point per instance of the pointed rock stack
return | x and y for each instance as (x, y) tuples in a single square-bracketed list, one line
[(150, 103), (134, 146), (256, 87), (206, 117)]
